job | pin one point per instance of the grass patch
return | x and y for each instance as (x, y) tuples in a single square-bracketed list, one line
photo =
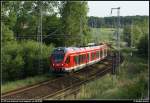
[(104, 34), (8, 86), (131, 83), (101, 34)]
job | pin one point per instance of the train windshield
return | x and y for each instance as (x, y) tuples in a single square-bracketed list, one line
[(58, 57)]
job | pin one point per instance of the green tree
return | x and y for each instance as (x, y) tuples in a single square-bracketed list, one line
[(139, 29), (7, 34), (74, 21), (23, 16), (51, 28), (143, 46), (12, 61), (127, 34)]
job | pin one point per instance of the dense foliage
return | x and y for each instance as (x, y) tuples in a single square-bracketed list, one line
[(59, 19), (74, 22), (110, 22), (136, 35), (127, 35), (21, 60)]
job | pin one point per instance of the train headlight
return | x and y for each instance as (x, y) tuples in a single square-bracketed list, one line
[(62, 64)]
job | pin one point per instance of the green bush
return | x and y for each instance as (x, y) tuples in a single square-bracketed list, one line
[(137, 89), (143, 46), (21, 59), (12, 61), (32, 56), (7, 34)]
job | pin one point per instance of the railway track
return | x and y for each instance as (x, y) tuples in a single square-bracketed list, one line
[(61, 86), (100, 73)]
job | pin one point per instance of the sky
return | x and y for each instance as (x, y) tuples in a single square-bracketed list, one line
[(127, 8)]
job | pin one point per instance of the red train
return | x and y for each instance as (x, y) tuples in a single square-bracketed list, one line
[(72, 58)]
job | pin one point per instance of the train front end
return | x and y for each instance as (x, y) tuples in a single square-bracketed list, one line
[(57, 60)]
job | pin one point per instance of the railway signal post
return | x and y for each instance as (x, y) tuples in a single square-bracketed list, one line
[(117, 37), (113, 64)]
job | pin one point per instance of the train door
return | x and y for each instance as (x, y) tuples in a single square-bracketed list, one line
[(67, 62), (87, 57), (71, 61)]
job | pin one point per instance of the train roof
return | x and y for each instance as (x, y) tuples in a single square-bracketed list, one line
[(77, 49)]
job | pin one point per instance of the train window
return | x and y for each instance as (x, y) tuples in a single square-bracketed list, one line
[(58, 57), (93, 55), (76, 59), (97, 54), (80, 59), (84, 58), (89, 56), (68, 60)]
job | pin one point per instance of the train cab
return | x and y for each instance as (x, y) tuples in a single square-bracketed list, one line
[(57, 59), (60, 60)]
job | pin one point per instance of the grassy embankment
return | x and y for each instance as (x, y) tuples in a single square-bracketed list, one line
[(25, 82)]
